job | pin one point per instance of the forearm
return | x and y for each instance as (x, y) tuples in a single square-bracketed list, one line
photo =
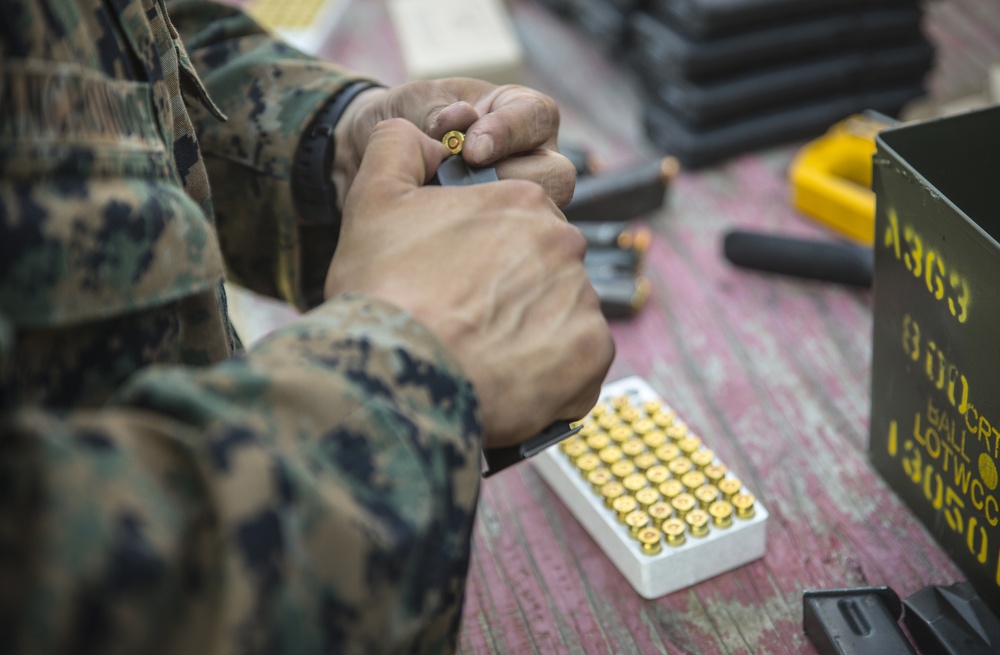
[(321, 487), (270, 93)]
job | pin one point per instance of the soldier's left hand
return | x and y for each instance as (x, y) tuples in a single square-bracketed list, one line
[(511, 127)]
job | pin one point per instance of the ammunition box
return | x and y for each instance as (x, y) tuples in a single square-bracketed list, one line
[(935, 412)]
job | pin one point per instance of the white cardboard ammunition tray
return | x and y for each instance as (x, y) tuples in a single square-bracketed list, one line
[(674, 567)]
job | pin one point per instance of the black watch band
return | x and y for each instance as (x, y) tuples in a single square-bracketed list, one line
[(313, 191)]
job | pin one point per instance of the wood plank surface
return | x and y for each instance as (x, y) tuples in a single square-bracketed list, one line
[(773, 372)]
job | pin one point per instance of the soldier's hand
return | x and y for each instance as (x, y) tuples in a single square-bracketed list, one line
[(493, 270), (511, 127)]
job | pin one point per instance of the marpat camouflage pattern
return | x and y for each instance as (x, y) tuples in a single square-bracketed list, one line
[(162, 491)]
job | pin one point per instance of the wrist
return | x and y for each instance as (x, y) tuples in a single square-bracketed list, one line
[(317, 201), (347, 157)]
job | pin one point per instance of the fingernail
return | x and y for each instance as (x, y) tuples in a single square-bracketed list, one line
[(482, 149)]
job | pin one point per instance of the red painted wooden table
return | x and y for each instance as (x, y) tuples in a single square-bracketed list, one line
[(773, 372)]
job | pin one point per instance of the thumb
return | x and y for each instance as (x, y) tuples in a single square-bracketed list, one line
[(398, 157)]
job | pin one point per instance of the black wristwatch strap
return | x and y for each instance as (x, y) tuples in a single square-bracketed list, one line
[(312, 186)]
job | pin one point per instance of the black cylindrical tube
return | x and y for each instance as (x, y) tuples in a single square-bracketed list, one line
[(831, 261)]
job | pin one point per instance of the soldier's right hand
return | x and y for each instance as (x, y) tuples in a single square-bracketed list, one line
[(493, 270)]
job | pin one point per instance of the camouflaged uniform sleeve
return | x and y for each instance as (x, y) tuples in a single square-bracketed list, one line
[(315, 495), (104, 207), (269, 91)]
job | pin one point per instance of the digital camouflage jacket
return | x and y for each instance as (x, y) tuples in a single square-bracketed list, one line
[(162, 491)]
